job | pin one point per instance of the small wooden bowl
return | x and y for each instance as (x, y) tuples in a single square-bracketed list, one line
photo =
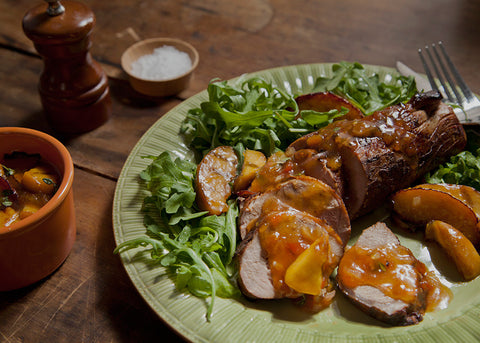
[(37, 245), (158, 88)]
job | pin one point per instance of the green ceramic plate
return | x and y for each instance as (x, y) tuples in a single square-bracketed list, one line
[(274, 321)]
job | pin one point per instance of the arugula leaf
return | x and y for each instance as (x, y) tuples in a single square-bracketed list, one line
[(350, 80), (463, 168), (196, 247)]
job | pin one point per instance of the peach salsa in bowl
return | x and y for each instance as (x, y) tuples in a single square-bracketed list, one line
[(37, 219)]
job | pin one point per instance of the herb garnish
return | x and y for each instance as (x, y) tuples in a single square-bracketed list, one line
[(47, 181), (5, 200), (7, 171)]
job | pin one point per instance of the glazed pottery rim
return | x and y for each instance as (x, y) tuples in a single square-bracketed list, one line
[(64, 188)]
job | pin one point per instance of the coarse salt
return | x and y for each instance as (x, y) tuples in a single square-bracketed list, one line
[(164, 63)]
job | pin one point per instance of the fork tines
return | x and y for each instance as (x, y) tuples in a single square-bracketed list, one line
[(445, 76)]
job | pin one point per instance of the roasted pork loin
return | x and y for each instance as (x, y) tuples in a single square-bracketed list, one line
[(368, 159)]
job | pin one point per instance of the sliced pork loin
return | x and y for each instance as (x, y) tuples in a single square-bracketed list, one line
[(256, 258), (376, 155), (300, 203), (254, 277), (303, 193), (383, 278)]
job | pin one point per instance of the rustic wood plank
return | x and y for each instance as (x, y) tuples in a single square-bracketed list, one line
[(90, 297), (241, 36)]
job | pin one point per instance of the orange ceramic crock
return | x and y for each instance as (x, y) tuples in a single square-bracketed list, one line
[(34, 247)]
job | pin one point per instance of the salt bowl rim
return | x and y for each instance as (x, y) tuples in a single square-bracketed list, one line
[(165, 41)]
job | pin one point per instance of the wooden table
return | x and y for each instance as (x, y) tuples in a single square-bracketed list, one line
[(90, 298)]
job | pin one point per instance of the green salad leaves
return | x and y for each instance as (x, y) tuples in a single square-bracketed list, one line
[(252, 113), (197, 248), (365, 91), (463, 168)]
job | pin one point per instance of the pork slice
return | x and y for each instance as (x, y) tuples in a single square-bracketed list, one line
[(254, 277), (376, 236), (303, 193), (315, 164), (250, 211), (370, 298), (302, 142), (254, 273)]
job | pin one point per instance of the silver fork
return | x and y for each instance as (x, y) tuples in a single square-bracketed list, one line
[(452, 86)]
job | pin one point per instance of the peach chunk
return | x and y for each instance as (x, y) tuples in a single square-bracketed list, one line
[(457, 246), (305, 274), (252, 161), (40, 179), (215, 174), (421, 204)]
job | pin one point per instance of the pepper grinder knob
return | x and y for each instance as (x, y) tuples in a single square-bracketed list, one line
[(73, 87), (55, 7)]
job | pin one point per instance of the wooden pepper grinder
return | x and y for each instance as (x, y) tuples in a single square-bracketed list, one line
[(73, 87)]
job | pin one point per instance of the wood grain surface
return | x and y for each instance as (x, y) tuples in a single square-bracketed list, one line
[(90, 298)]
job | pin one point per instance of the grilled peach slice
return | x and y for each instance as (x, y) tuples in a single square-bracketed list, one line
[(215, 173), (419, 205), (457, 246), (326, 101), (468, 195), (252, 161)]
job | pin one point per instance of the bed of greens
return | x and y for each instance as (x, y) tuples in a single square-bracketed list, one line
[(250, 114)]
